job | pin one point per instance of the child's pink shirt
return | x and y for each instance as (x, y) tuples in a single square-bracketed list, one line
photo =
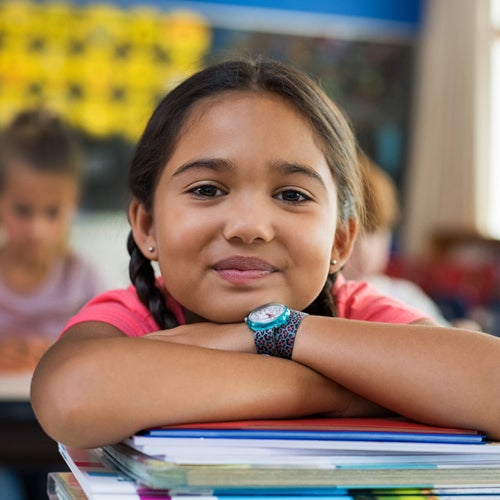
[(355, 300), (44, 311)]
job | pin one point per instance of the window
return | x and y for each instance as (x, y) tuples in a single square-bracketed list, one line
[(493, 223)]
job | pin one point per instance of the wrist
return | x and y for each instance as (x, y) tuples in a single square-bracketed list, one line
[(274, 327)]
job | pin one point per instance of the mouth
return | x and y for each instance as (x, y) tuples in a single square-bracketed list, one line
[(240, 270)]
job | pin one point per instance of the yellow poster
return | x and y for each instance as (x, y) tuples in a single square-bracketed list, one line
[(102, 67)]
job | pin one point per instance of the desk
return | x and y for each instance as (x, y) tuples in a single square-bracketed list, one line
[(15, 387), (23, 443)]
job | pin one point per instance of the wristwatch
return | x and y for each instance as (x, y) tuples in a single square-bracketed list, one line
[(274, 328)]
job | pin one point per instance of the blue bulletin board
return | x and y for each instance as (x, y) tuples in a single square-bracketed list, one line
[(104, 65)]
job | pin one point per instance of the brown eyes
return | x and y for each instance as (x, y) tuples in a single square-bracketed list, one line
[(210, 191), (292, 196), (207, 191)]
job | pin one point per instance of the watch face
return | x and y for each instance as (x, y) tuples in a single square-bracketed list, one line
[(268, 316)]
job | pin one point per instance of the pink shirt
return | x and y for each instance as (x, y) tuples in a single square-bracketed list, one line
[(355, 300), (45, 310), (361, 301)]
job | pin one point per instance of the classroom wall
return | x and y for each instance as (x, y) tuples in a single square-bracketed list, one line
[(102, 237), (101, 228)]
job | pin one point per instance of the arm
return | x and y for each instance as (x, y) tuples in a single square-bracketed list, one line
[(96, 386), (442, 376)]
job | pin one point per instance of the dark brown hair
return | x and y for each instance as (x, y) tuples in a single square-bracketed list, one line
[(41, 140), (159, 139)]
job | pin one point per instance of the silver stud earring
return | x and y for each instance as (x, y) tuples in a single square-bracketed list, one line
[(333, 262), (151, 249)]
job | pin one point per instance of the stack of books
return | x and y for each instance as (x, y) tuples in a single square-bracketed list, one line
[(293, 459)]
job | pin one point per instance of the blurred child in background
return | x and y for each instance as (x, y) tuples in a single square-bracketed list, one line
[(372, 249), (42, 280)]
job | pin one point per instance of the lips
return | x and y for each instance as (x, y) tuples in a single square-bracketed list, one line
[(243, 269), (244, 264)]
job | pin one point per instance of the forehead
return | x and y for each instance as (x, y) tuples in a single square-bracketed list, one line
[(268, 118), (231, 101), (255, 135), (24, 182)]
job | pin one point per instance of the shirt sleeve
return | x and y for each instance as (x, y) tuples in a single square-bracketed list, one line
[(119, 308), (360, 301)]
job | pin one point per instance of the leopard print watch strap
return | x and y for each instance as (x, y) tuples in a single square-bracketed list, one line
[(279, 341)]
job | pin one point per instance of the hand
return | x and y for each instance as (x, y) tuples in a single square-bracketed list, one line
[(20, 353), (228, 337)]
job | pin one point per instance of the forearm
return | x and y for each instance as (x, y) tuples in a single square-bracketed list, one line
[(438, 375), (92, 392)]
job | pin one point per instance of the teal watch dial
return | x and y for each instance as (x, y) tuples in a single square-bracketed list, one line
[(268, 316)]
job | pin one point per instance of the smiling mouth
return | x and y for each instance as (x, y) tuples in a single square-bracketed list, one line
[(242, 270)]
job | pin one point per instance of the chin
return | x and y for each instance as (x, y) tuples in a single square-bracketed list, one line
[(228, 313), (230, 317), (234, 309)]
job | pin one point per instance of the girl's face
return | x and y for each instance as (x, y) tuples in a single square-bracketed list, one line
[(245, 210), (36, 210)]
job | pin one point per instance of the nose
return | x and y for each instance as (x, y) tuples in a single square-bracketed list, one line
[(39, 228), (250, 220)]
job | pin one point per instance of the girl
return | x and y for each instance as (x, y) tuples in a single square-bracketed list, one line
[(246, 192), (42, 281)]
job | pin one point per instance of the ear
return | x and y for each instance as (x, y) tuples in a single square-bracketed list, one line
[(344, 240), (141, 221)]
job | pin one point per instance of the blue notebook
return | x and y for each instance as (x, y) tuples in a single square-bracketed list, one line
[(329, 429)]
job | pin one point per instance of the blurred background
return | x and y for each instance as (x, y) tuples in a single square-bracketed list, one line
[(416, 78), (104, 65), (419, 80)]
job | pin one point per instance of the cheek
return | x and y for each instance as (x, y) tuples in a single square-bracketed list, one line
[(59, 229), (319, 239), (180, 241), (315, 252), (178, 232), (312, 257), (14, 226)]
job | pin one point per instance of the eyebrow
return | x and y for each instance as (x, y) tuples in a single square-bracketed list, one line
[(298, 168), (215, 164), (218, 164)]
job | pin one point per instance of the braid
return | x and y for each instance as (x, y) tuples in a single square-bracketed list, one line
[(143, 278), (324, 304)]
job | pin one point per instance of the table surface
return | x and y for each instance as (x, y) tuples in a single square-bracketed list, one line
[(15, 387), (24, 443)]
